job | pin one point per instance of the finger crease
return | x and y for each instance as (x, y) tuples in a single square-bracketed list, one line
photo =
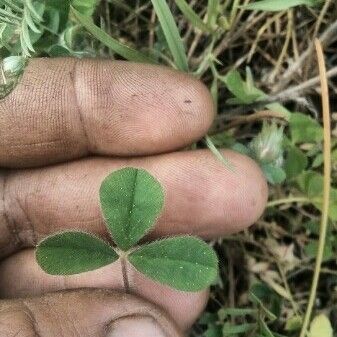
[(30, 314), (28, 221), (10, 225), (73, 77)]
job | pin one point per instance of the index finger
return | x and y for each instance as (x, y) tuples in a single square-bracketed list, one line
[(64, 109)]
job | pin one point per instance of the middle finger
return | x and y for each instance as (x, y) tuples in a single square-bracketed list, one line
[(202, 196)]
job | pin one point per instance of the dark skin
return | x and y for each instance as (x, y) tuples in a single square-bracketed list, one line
[(64, 128)]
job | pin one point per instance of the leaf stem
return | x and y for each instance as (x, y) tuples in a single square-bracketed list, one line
[(289, 200), (125, 274), (326, 186)]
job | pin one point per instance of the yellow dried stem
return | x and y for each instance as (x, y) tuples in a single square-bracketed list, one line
[(326, 185)]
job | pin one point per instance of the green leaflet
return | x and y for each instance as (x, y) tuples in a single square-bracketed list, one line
[(304, 128), (296, 162), (244, 93), (171, 33), (72, 253), (185, 263), (131, 201)]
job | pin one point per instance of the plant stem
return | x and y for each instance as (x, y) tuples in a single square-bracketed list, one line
[(289, 200), (326, 187), (125, 274)]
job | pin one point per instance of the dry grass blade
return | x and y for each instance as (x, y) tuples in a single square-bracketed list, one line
[(326, 186)]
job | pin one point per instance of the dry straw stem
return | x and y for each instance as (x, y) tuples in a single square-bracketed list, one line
[(325, 37), (326, 185)]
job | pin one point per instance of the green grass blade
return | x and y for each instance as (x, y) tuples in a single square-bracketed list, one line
[(119, 48), (9, 15), (217, 153), (171, 33), (192, 16), (212, 12), (11, 5), (278, 5)]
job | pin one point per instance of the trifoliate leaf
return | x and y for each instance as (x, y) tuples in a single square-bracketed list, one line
[(72, 253), (131, 201), (184, 263)]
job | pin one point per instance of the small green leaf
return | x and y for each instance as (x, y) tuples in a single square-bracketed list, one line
[(62, 7), (295, 163), (274, 174), (171, 33), (278, 5), (117, 47), (304, 129), (72, 253), (184, 263), (311, 183), (244, 94), (311, 249), (52, 20), (131, 201), (321, 327)]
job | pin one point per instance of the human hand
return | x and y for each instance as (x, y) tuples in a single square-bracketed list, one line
[(66, 126)]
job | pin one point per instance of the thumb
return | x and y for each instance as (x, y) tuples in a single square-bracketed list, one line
[(85, 313)]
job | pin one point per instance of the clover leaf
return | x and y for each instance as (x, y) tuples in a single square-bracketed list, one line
[(131, 201)]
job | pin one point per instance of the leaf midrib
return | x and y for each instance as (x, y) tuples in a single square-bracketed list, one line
[(131, 209), (173, 260)]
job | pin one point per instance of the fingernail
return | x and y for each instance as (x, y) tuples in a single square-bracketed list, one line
[(135, 327)]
